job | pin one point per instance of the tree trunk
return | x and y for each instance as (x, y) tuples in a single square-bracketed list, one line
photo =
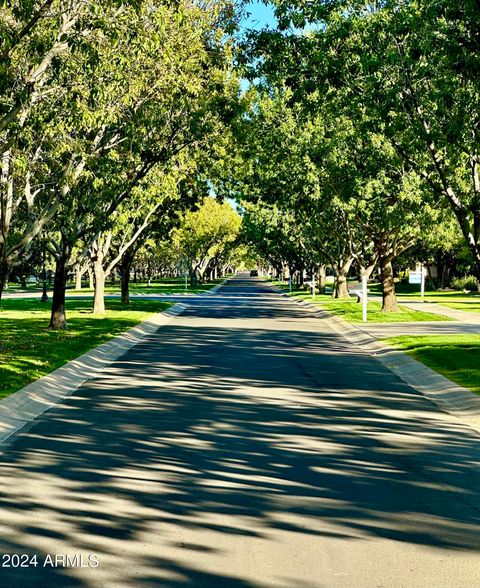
[(90, 278), (432, 283), (3, 279), (367, 271), (443, 271), (125, 267), (58, 318), (3, 283), (321, 279), (388, 286), (341, 284), (79, 273), (125, 287), (99, 292)]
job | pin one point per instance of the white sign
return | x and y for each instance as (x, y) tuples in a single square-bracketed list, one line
[(415, 278)]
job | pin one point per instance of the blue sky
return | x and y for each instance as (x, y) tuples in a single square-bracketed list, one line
[(261, 15)]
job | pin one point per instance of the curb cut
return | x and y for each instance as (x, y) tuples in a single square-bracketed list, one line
[(23, 406), (448, 396)]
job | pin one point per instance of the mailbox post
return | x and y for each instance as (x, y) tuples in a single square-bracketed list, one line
[(364, 299)]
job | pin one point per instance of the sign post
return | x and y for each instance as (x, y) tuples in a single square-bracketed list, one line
[(364, 299)]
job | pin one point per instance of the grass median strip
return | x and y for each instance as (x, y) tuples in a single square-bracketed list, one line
[(29, 350), (457, 357), (350, 310)]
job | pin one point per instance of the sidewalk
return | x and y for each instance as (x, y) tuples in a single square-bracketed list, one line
[(440, 309), (463, 322), (386, 330)]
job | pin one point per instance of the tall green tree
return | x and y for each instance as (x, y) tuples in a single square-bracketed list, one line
[(204, 234), (123, 87), (407, 70), (39, 42)]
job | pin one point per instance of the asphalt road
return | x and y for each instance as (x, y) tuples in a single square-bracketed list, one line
[(245, 445)]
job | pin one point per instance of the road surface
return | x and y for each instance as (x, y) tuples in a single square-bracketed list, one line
[(245, 445)]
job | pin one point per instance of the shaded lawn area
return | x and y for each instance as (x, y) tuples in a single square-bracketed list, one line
[(351, 311), (28, 350), (162, 286), (456, 357), (16, 287), (452, 298)]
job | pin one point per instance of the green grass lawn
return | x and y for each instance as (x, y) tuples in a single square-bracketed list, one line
[(456, 357), (28, 350), (351, 311), (163, 286)]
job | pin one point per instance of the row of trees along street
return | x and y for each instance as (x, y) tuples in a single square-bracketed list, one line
[(361, 139), (355, 144), (112, 115)]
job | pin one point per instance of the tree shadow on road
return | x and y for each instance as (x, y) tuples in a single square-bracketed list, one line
[(237, 433)]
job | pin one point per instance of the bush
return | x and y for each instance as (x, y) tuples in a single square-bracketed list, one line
[(465, 283)]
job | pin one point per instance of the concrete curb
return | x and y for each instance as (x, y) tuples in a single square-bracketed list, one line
[(214, 289), (449, 396), (23, 406)]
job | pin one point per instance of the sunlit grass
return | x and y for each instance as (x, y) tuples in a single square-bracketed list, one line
[(456, 357), (350, 310), (29, 350)]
